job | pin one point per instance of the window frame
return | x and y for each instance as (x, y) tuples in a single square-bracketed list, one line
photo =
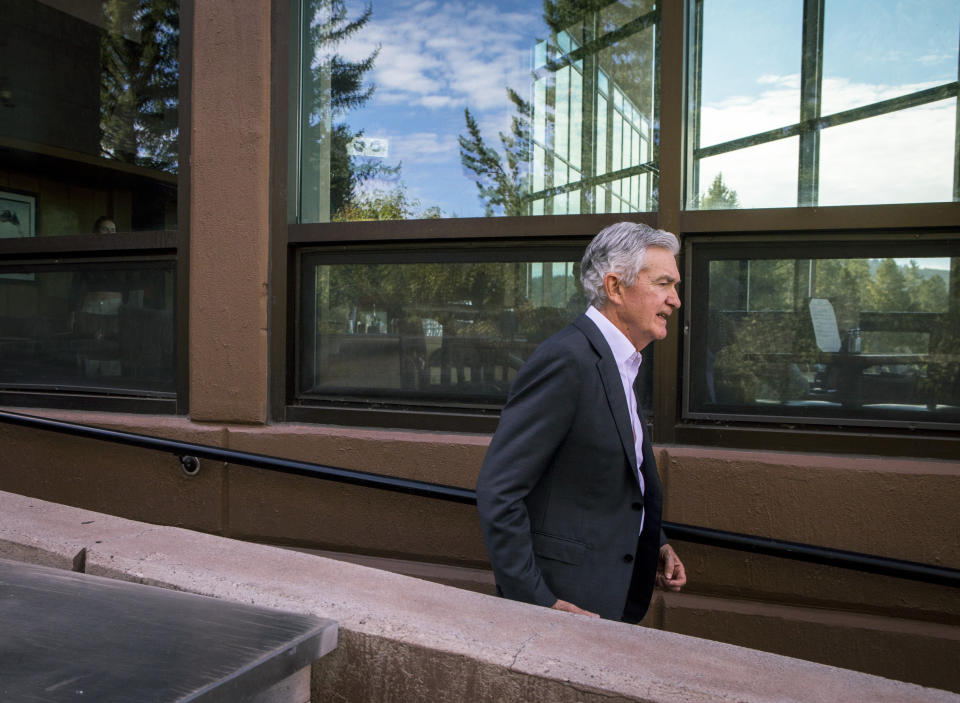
[(117, 247), (811, 120), (847, 245), (428, 414), (674, 148)]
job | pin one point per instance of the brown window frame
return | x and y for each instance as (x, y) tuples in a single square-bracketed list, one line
[(939, 219)]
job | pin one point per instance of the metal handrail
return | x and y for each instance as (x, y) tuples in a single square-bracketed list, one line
[(187, 452)]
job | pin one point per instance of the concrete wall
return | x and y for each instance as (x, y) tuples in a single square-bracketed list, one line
[(403, 639), (892, 507)]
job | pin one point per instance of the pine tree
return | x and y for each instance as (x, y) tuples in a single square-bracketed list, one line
[(334, 87), (502, 182), (139, 82), (719, 196)]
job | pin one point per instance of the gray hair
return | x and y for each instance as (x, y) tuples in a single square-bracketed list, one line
[(620, 249)]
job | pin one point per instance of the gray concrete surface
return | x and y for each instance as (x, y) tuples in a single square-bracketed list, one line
[(402, 638)]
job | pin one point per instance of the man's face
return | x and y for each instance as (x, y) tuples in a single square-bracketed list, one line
[(640, 311)]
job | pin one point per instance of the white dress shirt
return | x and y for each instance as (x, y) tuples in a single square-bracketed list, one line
[(628, 361)]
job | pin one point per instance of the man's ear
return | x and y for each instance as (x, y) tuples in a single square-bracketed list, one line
[(612, 287)]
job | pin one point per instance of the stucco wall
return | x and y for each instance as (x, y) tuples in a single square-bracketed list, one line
[(892, 507), (404, 639)]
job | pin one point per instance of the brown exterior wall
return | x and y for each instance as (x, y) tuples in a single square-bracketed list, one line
[(229, 211), (898, 508), (402, 639)]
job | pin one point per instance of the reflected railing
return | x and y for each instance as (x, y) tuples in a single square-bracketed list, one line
[(189, 453)]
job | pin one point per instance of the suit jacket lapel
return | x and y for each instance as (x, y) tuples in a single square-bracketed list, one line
[(613, 388)]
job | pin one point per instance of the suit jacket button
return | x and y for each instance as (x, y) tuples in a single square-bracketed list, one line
[(628, 558), (637, 506)]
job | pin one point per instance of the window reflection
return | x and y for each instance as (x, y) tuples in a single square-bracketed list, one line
[(449, 332), (771, 167), (442, 330), (852, 338), (898, 49), (450, 109), (867, 90), (854, 170), (88, 116), (102, 326)]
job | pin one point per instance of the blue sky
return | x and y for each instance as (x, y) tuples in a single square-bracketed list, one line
[(436, 58)]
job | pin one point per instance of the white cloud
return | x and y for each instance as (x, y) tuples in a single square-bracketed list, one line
[(901, 157), (467, 54), (904, 156), (933, 59), (743, 115), (841, 94)]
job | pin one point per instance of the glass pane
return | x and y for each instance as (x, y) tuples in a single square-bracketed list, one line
[(421, 110), (902, 157), (448, 332), (870, 110), (756, 177), (880, 50), (848, 338), (88, 117), (102, 326), (747, 87)]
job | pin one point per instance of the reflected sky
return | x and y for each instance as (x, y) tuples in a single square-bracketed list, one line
[(438, 58), (872, 52)]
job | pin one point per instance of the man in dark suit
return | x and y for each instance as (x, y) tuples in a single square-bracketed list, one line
[(568, 495)]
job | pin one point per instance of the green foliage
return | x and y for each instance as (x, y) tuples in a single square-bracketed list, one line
[(385, 205), (333, 87), (719, 196), (502, 182), (758, 310), (139, 82)]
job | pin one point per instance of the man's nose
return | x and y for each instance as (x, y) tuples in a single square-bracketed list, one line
[(674, 299)]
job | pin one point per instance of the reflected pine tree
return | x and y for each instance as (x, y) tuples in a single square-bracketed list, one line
[(719, 196), (331, 88), (139, 82), (503, 182)]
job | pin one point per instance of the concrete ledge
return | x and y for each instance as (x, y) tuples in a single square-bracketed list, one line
[(406, 639)]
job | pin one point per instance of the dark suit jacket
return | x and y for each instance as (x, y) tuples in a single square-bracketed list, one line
[(558, 494)]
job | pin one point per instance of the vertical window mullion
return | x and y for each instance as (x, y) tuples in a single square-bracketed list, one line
[(811, 84), (695, 87)]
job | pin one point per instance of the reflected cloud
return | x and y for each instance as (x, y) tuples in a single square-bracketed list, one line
[(742, 115), (905, 156), (424, 147), (432, 50)]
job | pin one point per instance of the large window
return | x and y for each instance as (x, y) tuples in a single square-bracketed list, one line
[(89, 137), (831, 102), (439, 153), (860, 338), (104, 326), (456, 109), (438, 328)]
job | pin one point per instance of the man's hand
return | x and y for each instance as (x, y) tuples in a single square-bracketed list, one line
[(670, 572), (571, 608)]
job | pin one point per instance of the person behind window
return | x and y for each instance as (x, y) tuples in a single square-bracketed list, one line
[(568, 495), (104, 225)]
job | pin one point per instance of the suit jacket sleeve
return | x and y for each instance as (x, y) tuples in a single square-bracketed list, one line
[(533, 425)]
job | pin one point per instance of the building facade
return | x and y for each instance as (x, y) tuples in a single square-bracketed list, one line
[(332, 232)]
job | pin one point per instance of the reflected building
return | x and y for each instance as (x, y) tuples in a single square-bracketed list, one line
[(592, 137)]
